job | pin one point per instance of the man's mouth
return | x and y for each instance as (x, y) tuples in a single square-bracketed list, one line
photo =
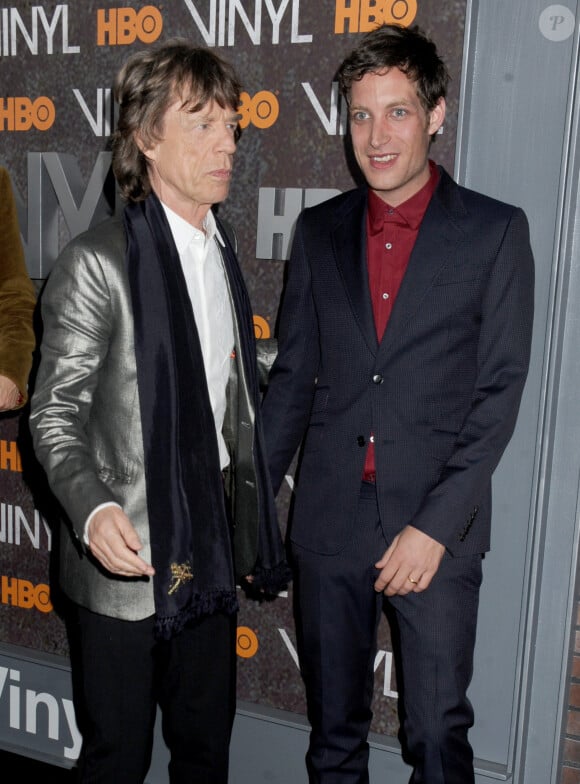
[(383, 158)]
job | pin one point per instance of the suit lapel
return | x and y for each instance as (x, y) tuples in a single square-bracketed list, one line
[(349, 241), (435, 246)]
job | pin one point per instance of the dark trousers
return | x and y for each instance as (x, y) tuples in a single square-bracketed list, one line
[(338, 617), (121, 673)]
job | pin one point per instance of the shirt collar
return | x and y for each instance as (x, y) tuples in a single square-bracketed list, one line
[(410, 212), (183, 232)]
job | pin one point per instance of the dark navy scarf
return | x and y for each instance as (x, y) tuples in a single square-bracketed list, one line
[(190, 535)]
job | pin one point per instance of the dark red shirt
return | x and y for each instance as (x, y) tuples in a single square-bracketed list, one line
[(391, 235)]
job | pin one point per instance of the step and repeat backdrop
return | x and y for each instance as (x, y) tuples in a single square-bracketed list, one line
[(57, 64)]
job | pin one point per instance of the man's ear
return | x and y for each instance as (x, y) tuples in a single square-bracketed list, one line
[(147, 151), (437, 116)]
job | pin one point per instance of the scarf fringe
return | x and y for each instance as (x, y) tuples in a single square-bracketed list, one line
[(269, 582), (201, 605)]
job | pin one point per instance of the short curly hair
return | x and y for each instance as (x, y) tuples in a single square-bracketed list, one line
[(405, 48)]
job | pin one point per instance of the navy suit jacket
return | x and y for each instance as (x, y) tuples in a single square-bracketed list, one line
[(440, 392)]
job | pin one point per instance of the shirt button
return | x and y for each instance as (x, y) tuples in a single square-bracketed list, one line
[(377, 379), (388, 245), (385, 295), (390, 211)]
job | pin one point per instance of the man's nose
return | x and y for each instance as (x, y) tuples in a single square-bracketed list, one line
[(380, 133), (227, 141)]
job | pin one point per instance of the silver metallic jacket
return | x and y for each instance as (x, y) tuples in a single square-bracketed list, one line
[(86, 422)]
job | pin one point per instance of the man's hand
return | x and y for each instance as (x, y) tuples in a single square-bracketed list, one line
[(9, 394), (409, 564), (114, 543)]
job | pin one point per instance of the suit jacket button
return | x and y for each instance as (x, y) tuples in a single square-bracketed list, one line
[(361, 440), (377, 379)]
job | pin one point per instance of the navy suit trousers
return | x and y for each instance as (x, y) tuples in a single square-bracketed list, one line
[(434, 637)]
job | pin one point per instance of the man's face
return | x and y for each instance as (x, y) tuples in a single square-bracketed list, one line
[(390, 133), (190, 168)]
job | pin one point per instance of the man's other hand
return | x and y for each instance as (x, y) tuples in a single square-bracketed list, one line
[(9, 395), (114, 542), (409, 564)]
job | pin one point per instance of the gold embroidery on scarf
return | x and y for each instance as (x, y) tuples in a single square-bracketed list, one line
[(180, 574)]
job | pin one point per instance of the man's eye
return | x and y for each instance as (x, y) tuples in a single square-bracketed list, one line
[(399, 112), (359, 116)]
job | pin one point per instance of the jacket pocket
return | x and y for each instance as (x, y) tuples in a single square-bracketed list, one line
[(112, 476)]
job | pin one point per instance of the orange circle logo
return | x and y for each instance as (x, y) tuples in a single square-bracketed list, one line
[(261, 327), (261, 110), (246, 642)]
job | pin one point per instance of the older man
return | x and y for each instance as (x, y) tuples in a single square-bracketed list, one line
[(147, 386)]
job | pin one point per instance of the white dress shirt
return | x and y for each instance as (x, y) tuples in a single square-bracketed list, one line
[(205, 277)]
